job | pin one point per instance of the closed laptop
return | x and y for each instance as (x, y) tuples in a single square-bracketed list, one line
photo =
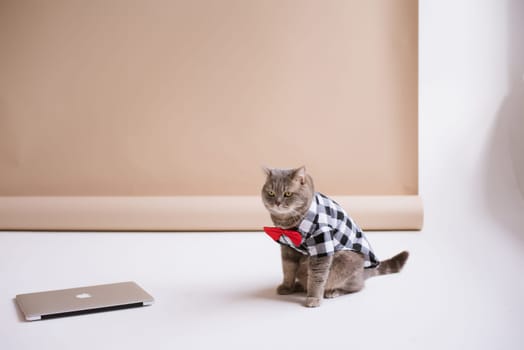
[(75, 301)]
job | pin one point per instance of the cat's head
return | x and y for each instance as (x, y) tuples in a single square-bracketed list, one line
[(287, 191)]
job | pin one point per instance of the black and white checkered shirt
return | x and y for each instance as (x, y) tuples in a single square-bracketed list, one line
[(327, 228)]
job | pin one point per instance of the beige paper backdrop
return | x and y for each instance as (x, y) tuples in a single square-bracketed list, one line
[(135, 99)]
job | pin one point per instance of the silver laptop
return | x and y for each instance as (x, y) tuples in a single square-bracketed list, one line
[(76, 301)]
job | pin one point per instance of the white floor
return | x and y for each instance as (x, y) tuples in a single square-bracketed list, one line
[(462, 288)]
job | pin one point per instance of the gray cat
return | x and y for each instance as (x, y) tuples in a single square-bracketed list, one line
[(324, 252)]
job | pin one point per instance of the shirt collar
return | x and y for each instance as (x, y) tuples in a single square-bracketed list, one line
[(305, 225)]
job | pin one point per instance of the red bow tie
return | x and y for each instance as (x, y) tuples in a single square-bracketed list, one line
[(277, 232)]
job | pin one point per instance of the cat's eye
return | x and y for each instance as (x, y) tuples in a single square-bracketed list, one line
[(271, 193), (288, 194)]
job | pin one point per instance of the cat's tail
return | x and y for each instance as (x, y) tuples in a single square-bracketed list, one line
[(392, 265)]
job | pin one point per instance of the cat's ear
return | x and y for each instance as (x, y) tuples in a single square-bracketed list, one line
[(300, 174), (267, 171)]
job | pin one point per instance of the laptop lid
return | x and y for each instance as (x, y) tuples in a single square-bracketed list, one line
[(75, 301)]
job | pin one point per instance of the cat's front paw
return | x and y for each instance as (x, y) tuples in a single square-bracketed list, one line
[(285, 290), (312, 302)]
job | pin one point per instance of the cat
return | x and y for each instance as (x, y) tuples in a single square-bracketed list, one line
[(333, 257)]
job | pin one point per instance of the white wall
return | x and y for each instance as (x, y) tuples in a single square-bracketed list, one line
[(471, 116), (471, 111)]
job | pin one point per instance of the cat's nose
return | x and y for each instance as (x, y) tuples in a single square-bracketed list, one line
[(278, 203)]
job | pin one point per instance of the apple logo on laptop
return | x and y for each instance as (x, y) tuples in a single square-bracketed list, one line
[(83, 296)]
